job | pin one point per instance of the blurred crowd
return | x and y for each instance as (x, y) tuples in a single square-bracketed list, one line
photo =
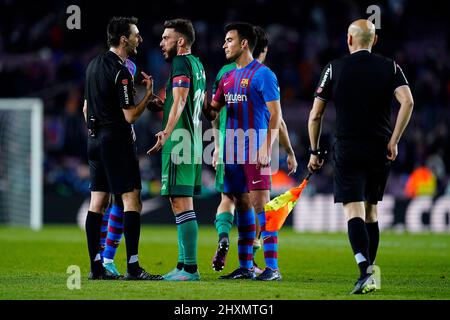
[(40, 57)]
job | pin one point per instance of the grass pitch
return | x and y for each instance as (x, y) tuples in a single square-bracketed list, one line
[(33, 266)]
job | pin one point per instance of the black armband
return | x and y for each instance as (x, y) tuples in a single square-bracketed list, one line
[(318, 152)]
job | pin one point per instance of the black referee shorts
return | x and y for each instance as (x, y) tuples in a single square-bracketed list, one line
[(113, 162), (361, 170)]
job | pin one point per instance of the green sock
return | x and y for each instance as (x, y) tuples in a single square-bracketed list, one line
[(187, 222), (180, 248), (223, 223)]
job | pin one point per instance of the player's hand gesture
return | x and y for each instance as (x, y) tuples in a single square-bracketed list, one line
[(156, 104), (162, 138), (292, 163), (148, 82)]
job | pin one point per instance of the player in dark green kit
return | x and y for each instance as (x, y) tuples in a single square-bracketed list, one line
[(181, 141)]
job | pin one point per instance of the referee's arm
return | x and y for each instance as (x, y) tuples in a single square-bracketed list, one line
[(404, 97), (131, 112), (314, 130)]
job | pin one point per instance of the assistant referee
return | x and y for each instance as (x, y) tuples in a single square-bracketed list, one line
[(109, 111), (361, 85)]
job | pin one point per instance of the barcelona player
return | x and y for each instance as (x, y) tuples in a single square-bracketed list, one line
[(251, 95), (225, 211)]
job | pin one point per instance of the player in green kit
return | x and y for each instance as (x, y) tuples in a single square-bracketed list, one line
[(181, 141), (225, 210)]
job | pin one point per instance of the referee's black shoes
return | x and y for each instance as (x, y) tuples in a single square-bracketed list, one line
[(141, 274), (364, 285), (103, 275)]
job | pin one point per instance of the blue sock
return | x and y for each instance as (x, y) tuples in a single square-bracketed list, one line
[(115, 231), (270, 243), (247, 233), (104, 231)]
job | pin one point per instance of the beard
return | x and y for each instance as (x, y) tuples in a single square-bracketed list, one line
[(171, 53), (234, 57), (131, 50)]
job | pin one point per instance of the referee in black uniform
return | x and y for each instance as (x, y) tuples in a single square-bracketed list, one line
[(109, 111), (361, 85)]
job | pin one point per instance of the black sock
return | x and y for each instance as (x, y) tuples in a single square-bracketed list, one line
[(359, 241), (191, 268), (223, 235), (374, 238), (132, 232), (93, 226), (180, 265)]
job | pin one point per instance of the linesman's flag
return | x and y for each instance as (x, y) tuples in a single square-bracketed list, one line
[(279, 208)]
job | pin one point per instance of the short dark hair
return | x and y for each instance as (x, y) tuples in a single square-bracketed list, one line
[(184, 27), (262, 41), (117, 27), (245, 31)]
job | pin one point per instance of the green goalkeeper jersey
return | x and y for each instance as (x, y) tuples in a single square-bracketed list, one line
[(187, 71)]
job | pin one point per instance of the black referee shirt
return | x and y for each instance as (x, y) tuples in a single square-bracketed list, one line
[(109, 89), (362, 86)]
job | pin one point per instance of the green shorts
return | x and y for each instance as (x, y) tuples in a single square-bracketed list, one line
[(180, 179)]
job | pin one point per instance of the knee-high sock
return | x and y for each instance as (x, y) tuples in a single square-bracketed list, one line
[(374, 239), (104, 231), (270, 243), (223, 223), (93, 226), (132, 232), (180, 262), (247, 233), (187, 222), (115, 231), (359, 241)]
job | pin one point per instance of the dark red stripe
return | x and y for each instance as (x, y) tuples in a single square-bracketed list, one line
[(245, 242), (249, 228), (245, 256), (230, 110), (270, 254), (104, 223), (270, 240), (115, 230), (251, 120), (116, 218), (103, 234), (112, 243), (240, 105), (249, 75)]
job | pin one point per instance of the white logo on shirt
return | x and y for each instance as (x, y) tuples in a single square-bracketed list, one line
[(235, 98)]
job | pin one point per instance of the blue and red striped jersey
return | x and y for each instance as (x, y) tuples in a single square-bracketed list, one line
[(245, 92)]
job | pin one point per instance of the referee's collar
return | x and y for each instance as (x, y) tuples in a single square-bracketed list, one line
[(116, 56), (359, 50)]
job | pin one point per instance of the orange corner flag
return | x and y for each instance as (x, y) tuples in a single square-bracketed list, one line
[(279, 208)]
